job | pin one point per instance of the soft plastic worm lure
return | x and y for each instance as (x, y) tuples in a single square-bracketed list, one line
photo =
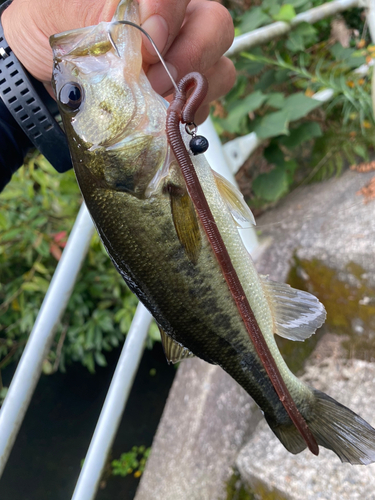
[(182, 109)]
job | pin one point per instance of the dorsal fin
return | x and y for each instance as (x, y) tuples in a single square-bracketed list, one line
[(174, 352), (235, 201)]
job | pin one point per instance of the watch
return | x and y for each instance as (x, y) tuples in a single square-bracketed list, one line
[(31, 106)]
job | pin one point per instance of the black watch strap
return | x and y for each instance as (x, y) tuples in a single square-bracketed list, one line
[(31, 106)]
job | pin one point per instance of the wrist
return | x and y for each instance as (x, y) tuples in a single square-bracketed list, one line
[(30, 106)]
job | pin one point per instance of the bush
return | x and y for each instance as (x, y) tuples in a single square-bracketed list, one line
[(37, 211), (303, 139)]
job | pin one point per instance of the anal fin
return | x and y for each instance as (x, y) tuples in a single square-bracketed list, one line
[(174, 352)]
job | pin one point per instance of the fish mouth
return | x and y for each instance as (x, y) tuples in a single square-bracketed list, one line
[(98, 39), (92, 40)]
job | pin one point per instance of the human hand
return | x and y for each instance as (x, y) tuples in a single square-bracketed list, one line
[(192, 35)]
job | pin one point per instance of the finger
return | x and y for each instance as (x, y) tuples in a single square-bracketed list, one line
[(199, 45), (162, 21), (202, 114), (221, 78)]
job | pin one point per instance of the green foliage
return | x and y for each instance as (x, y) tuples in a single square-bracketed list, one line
[(37, 211), (132, 462), (286, 13), (273, 98), (3, 393)]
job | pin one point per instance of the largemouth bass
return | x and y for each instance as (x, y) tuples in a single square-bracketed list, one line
[(137, 197)]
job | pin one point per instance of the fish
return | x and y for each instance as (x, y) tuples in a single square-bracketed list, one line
[(132, 185)]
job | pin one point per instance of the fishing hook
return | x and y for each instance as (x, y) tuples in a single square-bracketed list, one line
[(134, 25), (182, 109)]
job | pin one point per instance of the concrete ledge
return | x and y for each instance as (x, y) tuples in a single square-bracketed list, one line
[(206, 421)]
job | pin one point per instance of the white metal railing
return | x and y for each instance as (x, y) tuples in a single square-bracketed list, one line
[(265, 34), (54, 304), (30, 366)]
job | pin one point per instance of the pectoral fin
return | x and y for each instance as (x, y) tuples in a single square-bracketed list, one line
[(237, 206), (174, 352), (296, 314), (186, 224)]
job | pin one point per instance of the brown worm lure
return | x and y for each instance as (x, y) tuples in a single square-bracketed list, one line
[(182, 110)]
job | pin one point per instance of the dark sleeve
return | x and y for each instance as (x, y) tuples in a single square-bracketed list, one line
[(14, 144)]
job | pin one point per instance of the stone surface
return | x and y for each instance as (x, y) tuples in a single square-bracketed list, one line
[(205, 422), (208, 416), (328, 221), (265, 465)]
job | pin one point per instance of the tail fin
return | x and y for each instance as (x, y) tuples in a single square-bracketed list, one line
[(341, 430), (335, 427)]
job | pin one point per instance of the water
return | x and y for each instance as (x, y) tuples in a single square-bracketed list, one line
[(46, 459)]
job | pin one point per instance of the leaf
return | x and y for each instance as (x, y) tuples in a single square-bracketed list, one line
[(267, 79), (295, 42), (273, 154), (271, 186), (3, 393), (276, 100), (355, 61), (254, 18), (298, 4), (154, 332), (339, 52), (12, 233), (47, 367), (100, 359), (10, 194), (299, 105), (30, 287), (282, 75), (3, 221), (286, 13), (290, 167), (273, 124), (41, 283), (304, 132), (88, 361), (305, 29), (271, 6), (241, 109), (237, 90), (38, 266), (252, 68), (361, 151)]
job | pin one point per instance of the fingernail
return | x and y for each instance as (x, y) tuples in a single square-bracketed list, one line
[(159, 78), (156, 26)]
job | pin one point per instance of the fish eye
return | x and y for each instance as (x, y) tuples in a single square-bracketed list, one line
[(71, 94)]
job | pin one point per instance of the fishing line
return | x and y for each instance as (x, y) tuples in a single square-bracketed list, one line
[(134, 25)]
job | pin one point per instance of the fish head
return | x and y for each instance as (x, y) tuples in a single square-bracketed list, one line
[(109, 111), (93, 71)]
